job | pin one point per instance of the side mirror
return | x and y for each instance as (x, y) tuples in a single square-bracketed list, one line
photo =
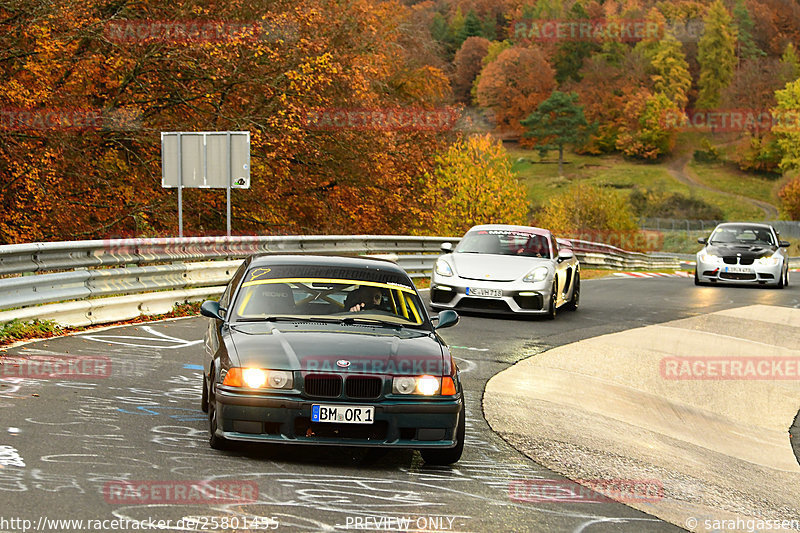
[(211, 309), (565, 253), (785, 244), (446, 319), (702, 240), (447, 247)]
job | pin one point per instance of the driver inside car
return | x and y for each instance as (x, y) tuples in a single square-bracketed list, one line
[(364, 298)]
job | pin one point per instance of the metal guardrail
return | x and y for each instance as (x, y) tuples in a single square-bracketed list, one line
[(81, 283), (787, 228)]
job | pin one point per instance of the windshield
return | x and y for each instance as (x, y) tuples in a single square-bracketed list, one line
[(505, 242), (267, 296), (745, 235)]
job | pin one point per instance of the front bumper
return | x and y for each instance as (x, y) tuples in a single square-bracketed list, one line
[(518, 297), (283, 419), (717, 271)]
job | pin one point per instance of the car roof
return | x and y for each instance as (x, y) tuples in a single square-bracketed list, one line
[(508, 227), (746, 224), (370, 263)]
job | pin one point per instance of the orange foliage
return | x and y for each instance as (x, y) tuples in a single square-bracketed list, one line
[(514, 84), (68, 184)]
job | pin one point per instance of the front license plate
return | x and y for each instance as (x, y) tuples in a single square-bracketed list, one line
[(739, 270), (343, 414), (491, 293)]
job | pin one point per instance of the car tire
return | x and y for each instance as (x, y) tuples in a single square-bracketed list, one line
[(552, 309), (781, 279), (204, 397), (448, 456), (216, 442), (696, 279), (786, 278), (575, 301)]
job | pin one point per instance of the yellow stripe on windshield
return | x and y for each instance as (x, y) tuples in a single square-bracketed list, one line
[(326, 280)]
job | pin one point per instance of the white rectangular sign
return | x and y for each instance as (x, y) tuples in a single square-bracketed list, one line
[(205, 159)]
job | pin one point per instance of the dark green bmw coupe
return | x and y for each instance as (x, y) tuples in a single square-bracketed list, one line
[(330, 351)]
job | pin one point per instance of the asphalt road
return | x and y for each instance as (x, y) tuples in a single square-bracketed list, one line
[(64, 443)]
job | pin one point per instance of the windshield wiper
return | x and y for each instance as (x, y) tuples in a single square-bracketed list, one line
[(363, 320), (279, 318)]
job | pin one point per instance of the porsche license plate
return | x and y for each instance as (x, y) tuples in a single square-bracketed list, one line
[(490, 293), (343, 414)]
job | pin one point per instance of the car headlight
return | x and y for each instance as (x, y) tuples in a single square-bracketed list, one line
[(443, 268), (537, 274), (258, 378), (768, 261), (423, 385), (709, 258)]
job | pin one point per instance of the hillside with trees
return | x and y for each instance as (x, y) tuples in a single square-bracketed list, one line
[(643, 80)]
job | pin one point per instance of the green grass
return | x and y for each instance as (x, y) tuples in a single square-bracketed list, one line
[(17, 330), (542, 180), (721, 176)]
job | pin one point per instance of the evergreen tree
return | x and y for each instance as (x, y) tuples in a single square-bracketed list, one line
[(747, 48), (716, 54), (439, 27), (454, 29), (558, 121), (568, 60), (472, 28)]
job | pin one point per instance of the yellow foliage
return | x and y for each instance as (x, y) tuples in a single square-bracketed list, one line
[(472, 183), (584, 207)]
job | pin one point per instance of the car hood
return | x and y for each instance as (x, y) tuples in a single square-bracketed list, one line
[(369, 350), (492, 267), (745, 250)]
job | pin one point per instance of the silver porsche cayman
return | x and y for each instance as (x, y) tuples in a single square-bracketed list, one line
[(507, 269)]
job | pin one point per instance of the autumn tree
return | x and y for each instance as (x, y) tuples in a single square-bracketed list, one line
[(268, 74), (472, 183), (557, 122), (670, 71), (514, 84), (651, 128), (716, 54), (790, 199), (494, 50), (790, 64), (605, 90), (583, 207), (787, 130), (467, 65)]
